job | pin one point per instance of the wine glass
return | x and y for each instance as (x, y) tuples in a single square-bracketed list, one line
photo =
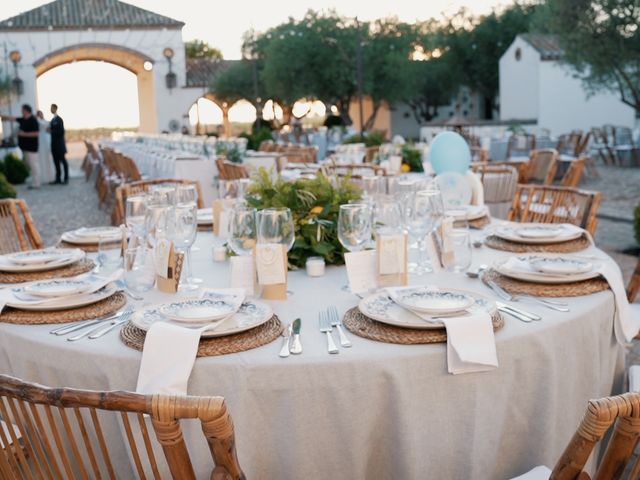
[(242, 230), (187, 194), (182, 231), (275, 225), (162, 195), (136, 209), (354, 228), (387, 216), (422, 218), (156, 222)]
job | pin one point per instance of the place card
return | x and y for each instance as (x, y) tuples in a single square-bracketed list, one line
[(271, 266), (361, 270), (447, 254), (161, 254), (221, 210), (391, 259), (243, 273), (168, 266)]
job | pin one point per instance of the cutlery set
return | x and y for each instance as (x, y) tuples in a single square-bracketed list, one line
[(327, 320), (291, 339), (101, 326)]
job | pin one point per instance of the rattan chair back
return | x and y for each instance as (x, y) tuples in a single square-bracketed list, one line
[(17, 230), (520, 145), (543, 165), (63, 432), (573, 175), (550, 204)]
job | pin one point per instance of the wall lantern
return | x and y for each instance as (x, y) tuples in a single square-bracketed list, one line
[(18, 84), (170, 78)]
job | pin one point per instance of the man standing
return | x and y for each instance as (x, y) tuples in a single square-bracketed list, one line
[(28, 141), (58, 145)]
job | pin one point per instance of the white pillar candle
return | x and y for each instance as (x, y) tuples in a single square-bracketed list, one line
[(219, 253), (315, 266)]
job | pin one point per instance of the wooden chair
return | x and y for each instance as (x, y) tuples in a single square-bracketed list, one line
[(17, 230), (600, 143), (573, 175), (550, 204), (521, 167), (127, 190), (354, 169), (63, 437), (235, 171), (634, 284), (621, 412), (499, 184), (542, 166), (520, 145)]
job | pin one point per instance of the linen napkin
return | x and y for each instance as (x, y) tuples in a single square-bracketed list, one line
[(625, 325), (170, 350), (471, 344)]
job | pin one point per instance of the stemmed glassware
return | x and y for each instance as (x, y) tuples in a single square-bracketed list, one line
[(422, 218), (136, 209), (275, 225), (187, 195), (242, 230), (182, 231), (354, 227)]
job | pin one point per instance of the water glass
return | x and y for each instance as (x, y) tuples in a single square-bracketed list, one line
[(136, 210), (354, 226), (227, 189), (242, 230), (109, 254), (157, 222), (139, 269), (275, 225), (186, 194), (373, 186), (422, 216), (162, 195), (459, 242), (387, 216)]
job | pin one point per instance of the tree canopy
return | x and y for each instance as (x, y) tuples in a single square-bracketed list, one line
[(201, 49)]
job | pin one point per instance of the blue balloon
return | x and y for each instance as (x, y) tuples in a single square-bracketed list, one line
[(449, 152)]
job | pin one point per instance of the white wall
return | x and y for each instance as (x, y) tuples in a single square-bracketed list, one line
[(35, 45), (565, 106), (519, 82)]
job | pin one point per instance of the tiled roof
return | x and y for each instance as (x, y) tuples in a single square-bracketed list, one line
[(82, 14), (547, 45), (200, 71)]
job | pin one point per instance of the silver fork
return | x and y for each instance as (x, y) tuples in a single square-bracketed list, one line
[(325, 327), (335, 322)]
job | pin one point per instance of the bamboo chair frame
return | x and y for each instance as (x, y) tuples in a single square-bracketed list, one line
[(17, 230), (530, 141), (537, 158), (235, 171), (552, 204), (521, 167), (602, 414), (126, 190), (62, 438), (573, 175), (633, 289)]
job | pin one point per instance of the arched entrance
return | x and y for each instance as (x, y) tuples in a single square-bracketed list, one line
[(136, 62)]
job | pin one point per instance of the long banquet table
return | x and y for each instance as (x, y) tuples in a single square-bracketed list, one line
[(375, 410)]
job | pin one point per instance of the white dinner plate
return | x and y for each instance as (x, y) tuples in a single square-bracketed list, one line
[(90, 236), (58, 287), (433, 301), (521, 268), (561, 265), (198, 311), (63, 303), (35, 257), (468, 212), (250, 315), (66, 256), (379, 306), (555, 233)]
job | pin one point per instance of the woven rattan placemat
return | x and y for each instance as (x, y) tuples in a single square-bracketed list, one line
[(83, 266), (478, 223), (571, 246), (87, 247), (99, 309), (573, 289), (133, 337), (364, 326)]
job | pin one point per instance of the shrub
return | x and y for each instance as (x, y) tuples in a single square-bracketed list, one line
[(6, 189), (412, 157), (636, 223), (257, 137), (371, 139), (15, 170)]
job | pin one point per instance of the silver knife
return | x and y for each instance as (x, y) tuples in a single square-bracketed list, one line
[(514, 314), (296, 346), (286, 334), (531, 316), (74, 327)]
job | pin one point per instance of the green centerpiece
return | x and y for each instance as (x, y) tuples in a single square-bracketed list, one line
[(314, 204)]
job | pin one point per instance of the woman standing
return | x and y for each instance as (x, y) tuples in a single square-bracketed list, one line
[(44, 153)]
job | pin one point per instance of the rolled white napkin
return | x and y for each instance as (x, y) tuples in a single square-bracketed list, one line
[(471, 344), (170, 350), (626, 325)]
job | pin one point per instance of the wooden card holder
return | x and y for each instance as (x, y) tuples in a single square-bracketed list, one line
[(395, 279), (170, 284), (276, 291), (445, 251)]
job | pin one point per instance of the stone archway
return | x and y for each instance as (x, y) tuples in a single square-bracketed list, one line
[(136, 62)]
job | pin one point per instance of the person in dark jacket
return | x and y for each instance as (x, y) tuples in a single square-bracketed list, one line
[(58, 146), (28, 141)]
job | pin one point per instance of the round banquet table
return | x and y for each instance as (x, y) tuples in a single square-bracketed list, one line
[(375, 410)]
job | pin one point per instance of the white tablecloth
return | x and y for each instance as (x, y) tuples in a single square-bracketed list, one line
[(376, 410)]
